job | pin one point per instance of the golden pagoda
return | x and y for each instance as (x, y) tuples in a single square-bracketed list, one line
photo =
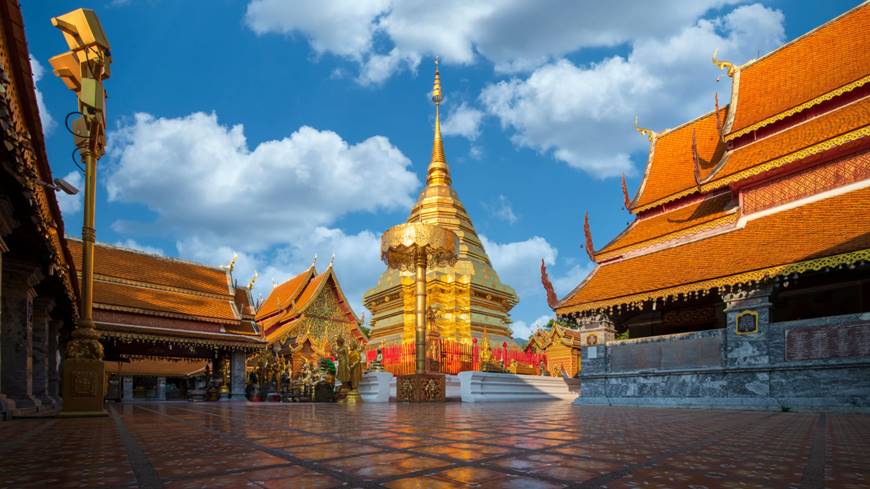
[(463, 299)]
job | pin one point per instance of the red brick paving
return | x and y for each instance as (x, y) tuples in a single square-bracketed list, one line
[(401, 446)]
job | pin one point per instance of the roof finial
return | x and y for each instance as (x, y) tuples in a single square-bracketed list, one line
[(313, 261), (649, 133), (552, 298), (724, 64), (232, 264), (590, 248), (253, 280), (331, 260), (438, 173), (625, 198)]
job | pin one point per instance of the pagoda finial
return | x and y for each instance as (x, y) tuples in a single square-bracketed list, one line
[(590, 248), (552, 298), (649, 133), (438, 173), (625, 199), (724, 64)]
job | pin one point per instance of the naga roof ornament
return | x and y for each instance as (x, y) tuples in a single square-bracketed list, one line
[(590, 248), (696, 159), (722, 65), (253, 281), (625, 198), (649, 133), (552, 298)]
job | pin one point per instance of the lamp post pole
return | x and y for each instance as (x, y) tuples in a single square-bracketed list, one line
[(83, 70), (420, 326)]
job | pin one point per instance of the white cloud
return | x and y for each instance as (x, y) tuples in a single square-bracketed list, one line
[(201, 179), (135, 245), (343, 27), (518, 263), (274, 204), (71, 204), (503, 210), (564, 284), (523, 330), (48, 122), (583, 114), (463, 121), (515, 35)]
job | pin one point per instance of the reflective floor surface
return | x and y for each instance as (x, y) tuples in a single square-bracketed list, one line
[(510, 445)]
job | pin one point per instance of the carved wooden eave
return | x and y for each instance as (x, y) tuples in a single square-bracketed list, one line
[(22, 138)]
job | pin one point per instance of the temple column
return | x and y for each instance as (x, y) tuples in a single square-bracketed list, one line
[(18, 282), (747, 315), (42, 308), (237, 374), (161, 388), (53, 361), (127, 393)]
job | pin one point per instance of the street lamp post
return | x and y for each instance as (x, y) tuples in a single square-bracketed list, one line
[(413, 246), (83, 69)]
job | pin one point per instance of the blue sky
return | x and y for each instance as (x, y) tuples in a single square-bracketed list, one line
[(280, 129)]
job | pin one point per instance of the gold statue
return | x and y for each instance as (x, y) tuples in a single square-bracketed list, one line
[(355, 364), (343, 370)]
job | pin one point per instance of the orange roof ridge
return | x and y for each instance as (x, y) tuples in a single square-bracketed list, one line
[(690, 122), (293, 287), (865, 4), (150, 255)]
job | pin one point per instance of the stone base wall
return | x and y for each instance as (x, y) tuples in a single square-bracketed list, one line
[(817, 364)]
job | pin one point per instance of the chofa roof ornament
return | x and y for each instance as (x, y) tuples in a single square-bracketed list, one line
[(649, 133), (722, 65)]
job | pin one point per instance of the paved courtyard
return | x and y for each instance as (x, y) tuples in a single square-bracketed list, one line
[(517, 445)]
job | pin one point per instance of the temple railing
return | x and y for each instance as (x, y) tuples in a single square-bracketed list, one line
[(451, 357)]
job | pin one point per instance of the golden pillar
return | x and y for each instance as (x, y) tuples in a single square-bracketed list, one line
[(415, 246), (83, 70)]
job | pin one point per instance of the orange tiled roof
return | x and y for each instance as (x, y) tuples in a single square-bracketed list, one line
[(786, 242), (828, 58), (689, 218), (670, 172), (146, 268), (820, 133), (284, 294), (108, 295)]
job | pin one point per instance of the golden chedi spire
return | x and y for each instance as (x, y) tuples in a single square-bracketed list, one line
[(469, 296), (438, 173)]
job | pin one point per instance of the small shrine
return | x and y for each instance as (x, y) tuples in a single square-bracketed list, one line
[(560, 346), (309, 327)]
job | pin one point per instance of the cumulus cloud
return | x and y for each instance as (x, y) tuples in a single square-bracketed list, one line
[(464, 121), (275, 204), (523, 330), (582, 114), (502, 210), (517, 263), (515, 35), (71, 204), (564, 284), (48, 122), (135, 245), (201, 178)]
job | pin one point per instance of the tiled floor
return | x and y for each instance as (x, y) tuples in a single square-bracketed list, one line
[(516, 445)]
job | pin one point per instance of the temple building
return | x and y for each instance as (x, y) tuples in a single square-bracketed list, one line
[(162, 320), (561, 347), (463, 299), (302, 317), (38, 293), (751, 236)]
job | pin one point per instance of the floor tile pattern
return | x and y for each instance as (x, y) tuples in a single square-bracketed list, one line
[(403, 446)]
